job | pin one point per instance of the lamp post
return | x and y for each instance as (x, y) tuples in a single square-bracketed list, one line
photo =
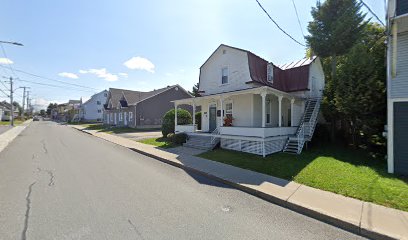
[(13, 43)]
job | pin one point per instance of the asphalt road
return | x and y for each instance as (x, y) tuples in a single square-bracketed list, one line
[(59, 183)]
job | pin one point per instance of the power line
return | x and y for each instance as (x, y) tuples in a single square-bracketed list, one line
[(5, 55), (52, 85), (372, 12), (51, 79), (297, 15), (277, 25)]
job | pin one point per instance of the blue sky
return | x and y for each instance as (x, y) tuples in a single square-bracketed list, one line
[(140, 45)]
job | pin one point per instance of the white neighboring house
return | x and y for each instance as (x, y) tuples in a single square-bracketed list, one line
[(397, 86), (252, 105), (92, 110)]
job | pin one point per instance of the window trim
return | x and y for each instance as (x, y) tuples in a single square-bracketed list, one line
[(222, 70)]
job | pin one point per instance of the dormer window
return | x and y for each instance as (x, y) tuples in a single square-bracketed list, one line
[(269, 72), (224, 79)]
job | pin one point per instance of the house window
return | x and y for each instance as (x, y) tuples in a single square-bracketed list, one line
[(130, 115), (99, 110), (224, 79), (98, 102), (228, 110), (105, 94), (268, 118), (120, 116)]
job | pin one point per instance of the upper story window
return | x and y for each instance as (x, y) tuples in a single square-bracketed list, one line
[(224, 79), (269, 72), (402, 7), (98, 102)]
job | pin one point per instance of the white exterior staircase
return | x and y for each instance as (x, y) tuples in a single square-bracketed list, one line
[(203, 142), (306, 128)]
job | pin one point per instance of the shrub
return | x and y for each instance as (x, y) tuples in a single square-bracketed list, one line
[(198, 120), (183, 118), (179, 138)]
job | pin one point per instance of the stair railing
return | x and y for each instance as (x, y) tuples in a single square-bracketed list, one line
[(214, 134)]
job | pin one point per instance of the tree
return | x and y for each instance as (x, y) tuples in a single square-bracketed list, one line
[(18, 108), (360, 99), (195, 92), (336, 27), (50, 107), (42, 112)]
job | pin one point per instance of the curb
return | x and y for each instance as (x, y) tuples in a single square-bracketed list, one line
[(347, 226)]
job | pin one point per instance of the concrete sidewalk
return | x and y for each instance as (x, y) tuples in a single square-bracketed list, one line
[(8, 136), (364, 218)]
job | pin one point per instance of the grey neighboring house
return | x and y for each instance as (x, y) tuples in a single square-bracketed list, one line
[(5, 109), (138, 109), (397, 86)]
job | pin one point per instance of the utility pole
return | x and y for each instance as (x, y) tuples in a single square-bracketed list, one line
[(24, 96), (11, 103), (28, 102)]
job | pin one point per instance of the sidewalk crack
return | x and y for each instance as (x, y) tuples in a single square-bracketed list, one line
[(44, 147), (135, 229), (28, 209)]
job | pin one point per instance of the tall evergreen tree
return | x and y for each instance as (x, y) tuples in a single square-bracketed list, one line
[(337, 25), (195, 92)]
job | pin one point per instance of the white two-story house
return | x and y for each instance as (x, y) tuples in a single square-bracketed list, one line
[(252, 105), (397, 86), (92, 110)]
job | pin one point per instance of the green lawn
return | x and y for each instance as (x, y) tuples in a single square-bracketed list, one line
[(159, 142), (16, 122), (113, 130), (344, 171)]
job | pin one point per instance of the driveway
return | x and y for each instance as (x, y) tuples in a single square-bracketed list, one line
[(141, 135)]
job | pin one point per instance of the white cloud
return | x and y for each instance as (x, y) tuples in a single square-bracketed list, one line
[(140, 64), (68, 75), (5, 61), (124, 75), (101, 73)]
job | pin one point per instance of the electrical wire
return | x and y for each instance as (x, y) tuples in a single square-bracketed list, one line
[(372, 12), (5, 55), (297, 15), (277, 25), (55, 80), (52, 85)]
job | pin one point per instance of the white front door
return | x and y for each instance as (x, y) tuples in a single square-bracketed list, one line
[(115, 118), (126, 119)]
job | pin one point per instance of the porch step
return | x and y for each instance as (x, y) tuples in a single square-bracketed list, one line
[(201, 142)]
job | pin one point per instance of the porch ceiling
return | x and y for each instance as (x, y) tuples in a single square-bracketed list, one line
[(258, 90)]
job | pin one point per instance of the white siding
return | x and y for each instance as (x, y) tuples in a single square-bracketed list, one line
[(399, 84), (241, 107), (238, 71), (316, 78), (257, 110), (90, 108)]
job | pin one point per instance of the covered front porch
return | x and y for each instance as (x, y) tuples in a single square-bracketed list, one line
[(261, 112)]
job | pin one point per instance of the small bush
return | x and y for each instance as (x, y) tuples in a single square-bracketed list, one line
[(183, 118), (198, 120), (179, 138)]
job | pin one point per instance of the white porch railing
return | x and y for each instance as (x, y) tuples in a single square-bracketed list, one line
[(258, 132), (185, 128)]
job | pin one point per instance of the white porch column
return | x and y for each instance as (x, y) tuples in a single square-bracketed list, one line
[(222, 111), (292, 103), (194, 108), (263, 95), (175, 114), (280, 110)]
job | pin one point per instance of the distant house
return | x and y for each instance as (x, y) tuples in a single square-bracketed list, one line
[(251, 105), (68, 112), (397, 86), (92, 110), (140, 109), (5, 109)]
